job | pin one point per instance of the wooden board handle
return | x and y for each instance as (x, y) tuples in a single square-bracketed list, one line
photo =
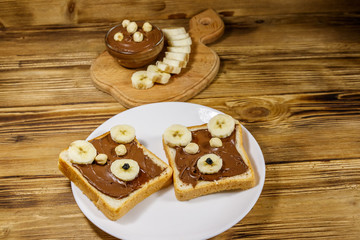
[(206, 27)]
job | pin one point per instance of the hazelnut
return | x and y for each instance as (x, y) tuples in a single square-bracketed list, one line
[(215, 142), (118, 36), (138, 37), (120, 150), (101, 158), (125, 23), (132, 27), (147, 27)]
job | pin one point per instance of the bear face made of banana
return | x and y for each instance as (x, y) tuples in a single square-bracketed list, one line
[(220, 126), (83, 152)]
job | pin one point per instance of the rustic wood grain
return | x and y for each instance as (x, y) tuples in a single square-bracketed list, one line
[(289, 71), (72, 12)]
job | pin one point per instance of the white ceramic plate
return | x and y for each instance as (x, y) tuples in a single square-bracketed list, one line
[(161, 216)]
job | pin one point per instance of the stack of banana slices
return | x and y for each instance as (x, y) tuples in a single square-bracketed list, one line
[(176, 58)]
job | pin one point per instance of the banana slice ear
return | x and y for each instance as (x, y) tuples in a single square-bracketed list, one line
[(221, 126), (81, 152), (177, 135), (122, 133)]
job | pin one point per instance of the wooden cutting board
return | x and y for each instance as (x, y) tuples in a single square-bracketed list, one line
[(201, 69)]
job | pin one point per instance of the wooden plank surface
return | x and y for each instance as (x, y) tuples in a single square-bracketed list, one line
[(289, 71)]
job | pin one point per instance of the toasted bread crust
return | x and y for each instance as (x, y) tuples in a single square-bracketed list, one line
[(185, 191), (111, 207)]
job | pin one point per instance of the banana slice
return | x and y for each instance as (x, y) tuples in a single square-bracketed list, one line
[(221, 125), (177, 135), (191, 148), (174, 63), (168, 68), (180, 43), (209, 164), (125, 169), (178, 36), (122, 133), (157, 75), (81, 152), (141, 80), (177, 56), (182, 49), (173, 31)]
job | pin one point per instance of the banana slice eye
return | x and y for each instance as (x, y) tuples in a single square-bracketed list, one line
[(209, 164), (177, 135), (122, 133), (125, 169), (221, 126)]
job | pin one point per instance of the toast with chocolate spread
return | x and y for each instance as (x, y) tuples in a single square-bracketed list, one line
[(208, 158), (114, 170)]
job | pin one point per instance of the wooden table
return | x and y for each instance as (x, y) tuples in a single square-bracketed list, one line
[(290, 72)]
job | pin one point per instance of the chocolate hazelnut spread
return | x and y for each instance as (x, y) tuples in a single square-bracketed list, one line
[(233, 164), (128, 45), (103, 180)]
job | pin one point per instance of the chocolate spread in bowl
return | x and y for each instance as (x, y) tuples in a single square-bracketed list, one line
[(233, 164), (103, 180), (128, 45)]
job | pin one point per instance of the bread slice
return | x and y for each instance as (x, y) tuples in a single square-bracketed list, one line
[(185, 191), (114, 208)]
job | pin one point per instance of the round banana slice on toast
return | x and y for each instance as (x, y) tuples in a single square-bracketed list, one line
[(177, 135), (209, 163), (81, 152), (125, 169), (221, 125), (122, 133)]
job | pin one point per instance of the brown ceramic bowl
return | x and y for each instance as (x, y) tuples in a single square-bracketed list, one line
[(131, 54)]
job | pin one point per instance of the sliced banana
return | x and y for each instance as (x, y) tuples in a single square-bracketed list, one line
[(168, 68), (209, 164), (215, 142), (182, 49), (101, 158), (81, 152), (177, 135), (177, 36), (122, 133), (140, 80), (180, 43), (173, 31), (221, 126), (125, 169), (157, 75), (174, 63), (191, 148), (177, 56)]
